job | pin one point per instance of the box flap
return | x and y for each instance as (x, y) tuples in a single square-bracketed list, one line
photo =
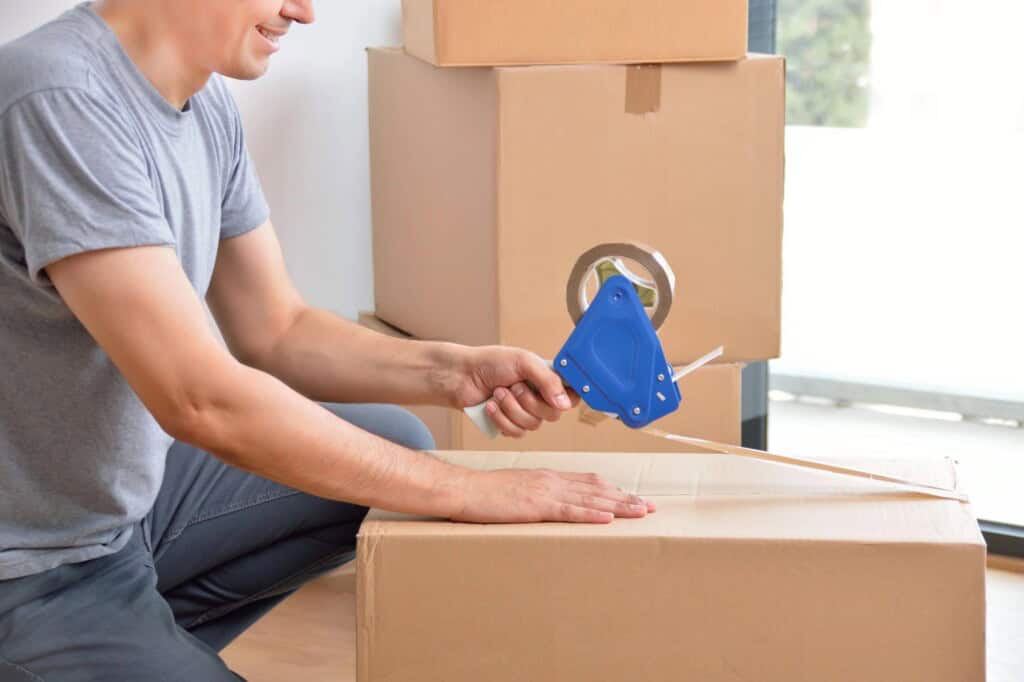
[(727, 497)]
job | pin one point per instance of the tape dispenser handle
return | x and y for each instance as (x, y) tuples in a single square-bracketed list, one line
[(478, 415)]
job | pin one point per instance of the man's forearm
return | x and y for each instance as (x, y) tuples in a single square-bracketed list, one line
[(330, 359), (256, 423)]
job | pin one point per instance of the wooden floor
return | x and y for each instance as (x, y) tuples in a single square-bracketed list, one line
[(1005, 620), (311, 636)]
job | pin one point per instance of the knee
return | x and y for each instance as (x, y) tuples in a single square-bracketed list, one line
[(401, 426), (390, 422)]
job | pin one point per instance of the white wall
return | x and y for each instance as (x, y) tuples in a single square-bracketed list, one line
[(307, 128)]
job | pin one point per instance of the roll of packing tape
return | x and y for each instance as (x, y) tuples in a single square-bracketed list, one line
[(661, 286), (662, 282)]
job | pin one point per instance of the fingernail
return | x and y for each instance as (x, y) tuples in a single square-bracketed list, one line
[(500, 393), (518, 390), (562, 400), (491, 408)]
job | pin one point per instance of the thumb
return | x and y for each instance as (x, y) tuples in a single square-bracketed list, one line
[(546, 381)]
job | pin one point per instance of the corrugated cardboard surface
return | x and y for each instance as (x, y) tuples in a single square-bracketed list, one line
[(748, 571), (505, 32), (434, 177), (711, 409), (489, 183)]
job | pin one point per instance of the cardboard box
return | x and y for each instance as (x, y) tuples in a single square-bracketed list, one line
[(488, 184), (493, 32), (748, 571), (711, 409)]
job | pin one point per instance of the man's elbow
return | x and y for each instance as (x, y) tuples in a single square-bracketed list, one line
[(192, 423), (199, 414)]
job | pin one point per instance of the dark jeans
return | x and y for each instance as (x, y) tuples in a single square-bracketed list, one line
[(219, 549)]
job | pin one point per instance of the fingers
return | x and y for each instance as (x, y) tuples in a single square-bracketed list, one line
[(592, 479), (571, 513), (607, 492), (590, 491), (538, 495), (504, 424), (537, 373), (594, 485), (509, 404), (533, 404), (626, 509), (622, 503)]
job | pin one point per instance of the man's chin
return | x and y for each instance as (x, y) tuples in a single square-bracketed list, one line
[(248, 72)]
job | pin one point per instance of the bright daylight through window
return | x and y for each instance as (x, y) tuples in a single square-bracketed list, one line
[(904, 246)]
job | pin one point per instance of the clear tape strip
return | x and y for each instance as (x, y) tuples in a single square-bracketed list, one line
[(721, 448)]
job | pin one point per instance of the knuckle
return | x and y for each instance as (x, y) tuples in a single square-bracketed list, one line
[(522, 421)]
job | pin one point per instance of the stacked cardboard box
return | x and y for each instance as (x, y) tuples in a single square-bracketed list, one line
[(506, 32), (489, 180), (488, 184)]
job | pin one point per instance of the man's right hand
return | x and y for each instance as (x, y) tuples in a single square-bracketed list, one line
[(537, 495)]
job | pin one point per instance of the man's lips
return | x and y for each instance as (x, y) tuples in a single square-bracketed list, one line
[(272, 35)]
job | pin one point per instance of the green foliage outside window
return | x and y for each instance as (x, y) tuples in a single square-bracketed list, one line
[(827, 45)]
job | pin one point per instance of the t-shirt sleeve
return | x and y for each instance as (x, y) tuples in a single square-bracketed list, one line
[(244, 207), (74, 179)]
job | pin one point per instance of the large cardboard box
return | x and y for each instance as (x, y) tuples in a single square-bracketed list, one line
[(493, 32), (488, 184), (711, 409), (747, 571)]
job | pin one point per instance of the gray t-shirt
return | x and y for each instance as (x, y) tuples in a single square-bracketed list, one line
[(91, 157)]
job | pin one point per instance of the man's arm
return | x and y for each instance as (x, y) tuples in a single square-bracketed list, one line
[(141, 309), (268, 326)]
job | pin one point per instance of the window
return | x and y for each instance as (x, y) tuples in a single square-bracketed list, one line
[(904, 245)]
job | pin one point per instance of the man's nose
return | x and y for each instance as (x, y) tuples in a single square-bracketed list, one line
[(300, 11)]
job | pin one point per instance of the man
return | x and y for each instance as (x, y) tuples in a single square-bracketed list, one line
[(159, 493)]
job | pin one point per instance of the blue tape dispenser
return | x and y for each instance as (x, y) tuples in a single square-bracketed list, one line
[(613, 359)]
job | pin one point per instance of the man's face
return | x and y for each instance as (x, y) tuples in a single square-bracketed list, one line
[(236, 38)]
